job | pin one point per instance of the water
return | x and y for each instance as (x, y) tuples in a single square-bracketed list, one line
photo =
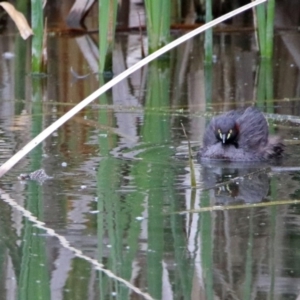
[(120, 191)]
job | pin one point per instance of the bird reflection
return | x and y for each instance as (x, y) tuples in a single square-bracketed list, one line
[(236, 182)]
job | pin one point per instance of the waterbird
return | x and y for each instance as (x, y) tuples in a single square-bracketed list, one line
[(240, 135)]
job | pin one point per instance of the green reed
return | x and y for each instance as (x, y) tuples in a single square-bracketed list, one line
[(206, 227), (107, 26), (265, 89), (158, 22), (265, 24), (37, 25), (208, 43), (158, 26)]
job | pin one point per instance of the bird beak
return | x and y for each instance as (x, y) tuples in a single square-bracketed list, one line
[(223, 138)]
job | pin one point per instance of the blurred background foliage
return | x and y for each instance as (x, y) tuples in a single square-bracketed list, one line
[(155, 17)]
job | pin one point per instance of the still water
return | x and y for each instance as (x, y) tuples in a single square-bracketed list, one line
[(120, 196)]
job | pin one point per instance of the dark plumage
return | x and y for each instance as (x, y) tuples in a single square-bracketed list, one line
[(240, 135)]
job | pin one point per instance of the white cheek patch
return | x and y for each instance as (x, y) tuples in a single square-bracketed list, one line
[(229, 134)]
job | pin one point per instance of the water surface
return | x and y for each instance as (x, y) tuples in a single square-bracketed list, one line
[(121, 188)]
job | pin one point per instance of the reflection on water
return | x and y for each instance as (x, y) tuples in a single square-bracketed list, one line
[(120, 190), (233, 183)]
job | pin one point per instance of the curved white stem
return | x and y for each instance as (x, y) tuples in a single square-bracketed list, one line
[(49, 130)]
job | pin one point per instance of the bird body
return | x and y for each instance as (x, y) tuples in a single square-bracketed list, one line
[(240, 135)]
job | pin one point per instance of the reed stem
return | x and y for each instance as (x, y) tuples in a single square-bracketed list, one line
[(208, 43), (265, 25), (37, 40), (107, 26), (158, 22), (270, 28)]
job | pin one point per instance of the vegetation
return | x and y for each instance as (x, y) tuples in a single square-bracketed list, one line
[(265, 25)]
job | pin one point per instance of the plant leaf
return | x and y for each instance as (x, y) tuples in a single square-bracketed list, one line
[(19, 20)]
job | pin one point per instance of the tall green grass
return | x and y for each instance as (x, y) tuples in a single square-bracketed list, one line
[(158, 27), (158, 22), (107, 27), (37, 25), (208, 43), (265, 89), (265, 24)]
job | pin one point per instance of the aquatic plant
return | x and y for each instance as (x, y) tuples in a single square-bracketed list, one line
[(37, 24), (208, 42), (265, 25), (158, 23), (107, 26)]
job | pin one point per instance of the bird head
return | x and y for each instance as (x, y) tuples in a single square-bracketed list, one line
[(226, 131)]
